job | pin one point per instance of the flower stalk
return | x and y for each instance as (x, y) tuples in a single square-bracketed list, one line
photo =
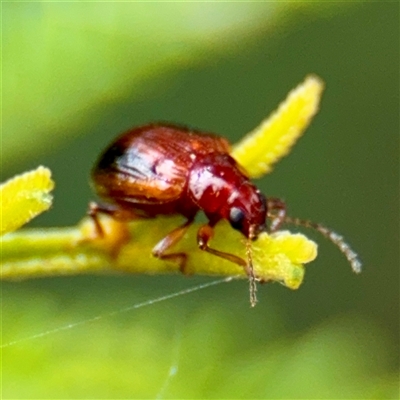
[(126, 248)]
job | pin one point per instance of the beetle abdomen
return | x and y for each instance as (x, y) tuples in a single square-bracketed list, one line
[(150, 164)]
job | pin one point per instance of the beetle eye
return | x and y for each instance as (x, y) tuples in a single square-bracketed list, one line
[(236, 218)]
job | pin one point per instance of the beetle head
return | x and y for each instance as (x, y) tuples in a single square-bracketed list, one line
[(247, 210)]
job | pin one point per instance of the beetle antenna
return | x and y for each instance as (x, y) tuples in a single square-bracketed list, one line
[(252, 278), (334, 237)]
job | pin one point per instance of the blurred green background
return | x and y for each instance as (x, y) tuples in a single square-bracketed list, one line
[(77, 74)]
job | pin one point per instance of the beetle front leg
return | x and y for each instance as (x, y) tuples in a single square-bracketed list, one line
[(205, 234), (172, 238)]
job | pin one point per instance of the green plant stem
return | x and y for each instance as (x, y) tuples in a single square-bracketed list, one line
[(30, 253), (41, 252)]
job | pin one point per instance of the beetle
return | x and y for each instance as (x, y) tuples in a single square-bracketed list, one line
[(164, 169)]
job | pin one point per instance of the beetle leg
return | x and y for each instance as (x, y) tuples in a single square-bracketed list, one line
[(276, 212), (205, 234), (114, 211), (172, 238)]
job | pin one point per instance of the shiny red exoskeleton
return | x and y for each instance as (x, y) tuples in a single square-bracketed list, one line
[(162, 169)]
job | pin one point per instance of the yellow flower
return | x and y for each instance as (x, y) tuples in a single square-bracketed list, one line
[(24, 197), (274, 137)]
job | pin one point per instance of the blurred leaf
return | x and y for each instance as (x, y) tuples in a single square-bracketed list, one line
[(130, 355), (60, 60)]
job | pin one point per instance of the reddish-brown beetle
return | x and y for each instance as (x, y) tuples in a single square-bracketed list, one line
[(164, 169)]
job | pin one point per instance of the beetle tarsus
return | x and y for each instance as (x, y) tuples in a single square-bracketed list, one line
[(168, 241)]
